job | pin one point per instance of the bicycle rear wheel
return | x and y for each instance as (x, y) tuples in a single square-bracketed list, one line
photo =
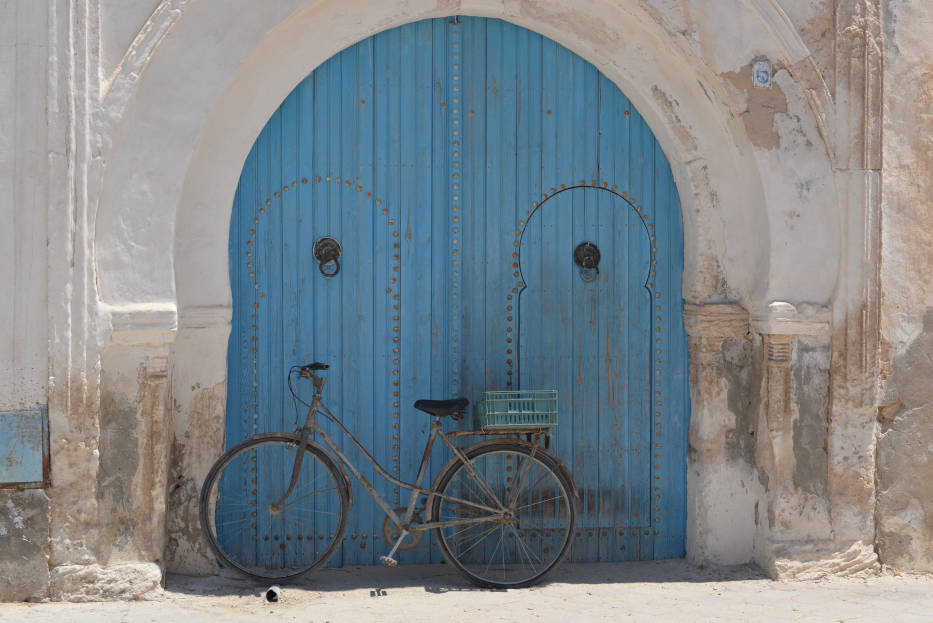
[(523, 543), (248, 535)]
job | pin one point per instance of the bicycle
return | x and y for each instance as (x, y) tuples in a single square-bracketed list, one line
[(503, 509)]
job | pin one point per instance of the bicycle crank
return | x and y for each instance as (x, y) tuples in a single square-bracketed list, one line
[(391, 532)]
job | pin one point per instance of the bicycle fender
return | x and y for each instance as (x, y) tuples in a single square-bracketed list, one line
[(313, 444)]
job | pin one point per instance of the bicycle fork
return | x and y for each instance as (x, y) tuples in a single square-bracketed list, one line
[(276, 507)]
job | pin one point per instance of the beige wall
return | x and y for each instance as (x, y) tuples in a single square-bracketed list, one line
[(905, 449)]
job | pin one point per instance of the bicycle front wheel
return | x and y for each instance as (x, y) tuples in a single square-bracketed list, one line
[(260, 541), (523, 542)]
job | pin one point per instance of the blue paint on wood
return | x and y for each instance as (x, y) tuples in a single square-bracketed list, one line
[(24, 447), (459, 165)]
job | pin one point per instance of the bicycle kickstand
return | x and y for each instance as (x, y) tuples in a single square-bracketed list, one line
[(389, 561)]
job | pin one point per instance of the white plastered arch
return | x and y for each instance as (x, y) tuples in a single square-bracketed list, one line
[(212, 82)]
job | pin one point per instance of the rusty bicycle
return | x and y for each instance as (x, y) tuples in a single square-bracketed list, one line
[(503, 509)]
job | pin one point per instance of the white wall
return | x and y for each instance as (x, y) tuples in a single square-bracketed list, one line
[(23, 204)]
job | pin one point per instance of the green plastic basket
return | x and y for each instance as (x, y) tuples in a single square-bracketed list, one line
[(534, 408)]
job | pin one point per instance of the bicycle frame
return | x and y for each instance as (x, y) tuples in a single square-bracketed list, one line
[(403, 523)]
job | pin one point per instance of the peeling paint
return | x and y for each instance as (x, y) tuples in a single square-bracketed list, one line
[(741, 368), (192, 455), (905, 458), (761, 105), (811, 427)]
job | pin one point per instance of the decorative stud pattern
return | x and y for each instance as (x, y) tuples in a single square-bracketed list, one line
[(393, 292), (657, 319), (520, 285), (456, 275)]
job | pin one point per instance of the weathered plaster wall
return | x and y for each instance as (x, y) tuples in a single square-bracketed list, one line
[(23, 204), (24, 543), (905, 448), (153, 106), (24, 515)]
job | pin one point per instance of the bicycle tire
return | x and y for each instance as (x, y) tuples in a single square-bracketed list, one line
[(464, 547), (282, 546)]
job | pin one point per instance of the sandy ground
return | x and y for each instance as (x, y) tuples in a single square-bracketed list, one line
[(648, 591)]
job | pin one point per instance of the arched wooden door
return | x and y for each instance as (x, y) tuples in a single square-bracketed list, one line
[(459, 163)]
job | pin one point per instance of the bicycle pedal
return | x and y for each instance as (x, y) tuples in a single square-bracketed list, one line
[(388, 561)]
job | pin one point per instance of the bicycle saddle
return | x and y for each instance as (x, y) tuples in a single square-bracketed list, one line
[(442, 408)]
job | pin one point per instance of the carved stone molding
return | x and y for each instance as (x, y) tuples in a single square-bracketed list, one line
[(151, 324), (780, 318), (143, 317), (206, 317), (778, 457), (715, 321)]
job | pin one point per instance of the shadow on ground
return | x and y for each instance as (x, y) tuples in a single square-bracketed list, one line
[(442, 579)]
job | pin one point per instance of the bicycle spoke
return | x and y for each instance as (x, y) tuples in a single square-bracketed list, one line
[(499, 542), (514, 557), (538, 503), (453, 537), (479, 540), (278, 545), (235, 521), (524, 546), (518, 486), (536, 483)]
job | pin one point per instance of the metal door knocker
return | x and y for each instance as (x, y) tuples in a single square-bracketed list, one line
[(587, 256), (327, 252)]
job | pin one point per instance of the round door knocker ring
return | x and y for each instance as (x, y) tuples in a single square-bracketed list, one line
[(327, 252), (587, 257)]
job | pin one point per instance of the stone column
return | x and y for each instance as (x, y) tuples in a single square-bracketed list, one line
[(859, 110), (722, 485), (126, 534), (775, 449), (795, 536), (199, 395)]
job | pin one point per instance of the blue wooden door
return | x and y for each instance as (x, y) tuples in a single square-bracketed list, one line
[(459, 163)]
